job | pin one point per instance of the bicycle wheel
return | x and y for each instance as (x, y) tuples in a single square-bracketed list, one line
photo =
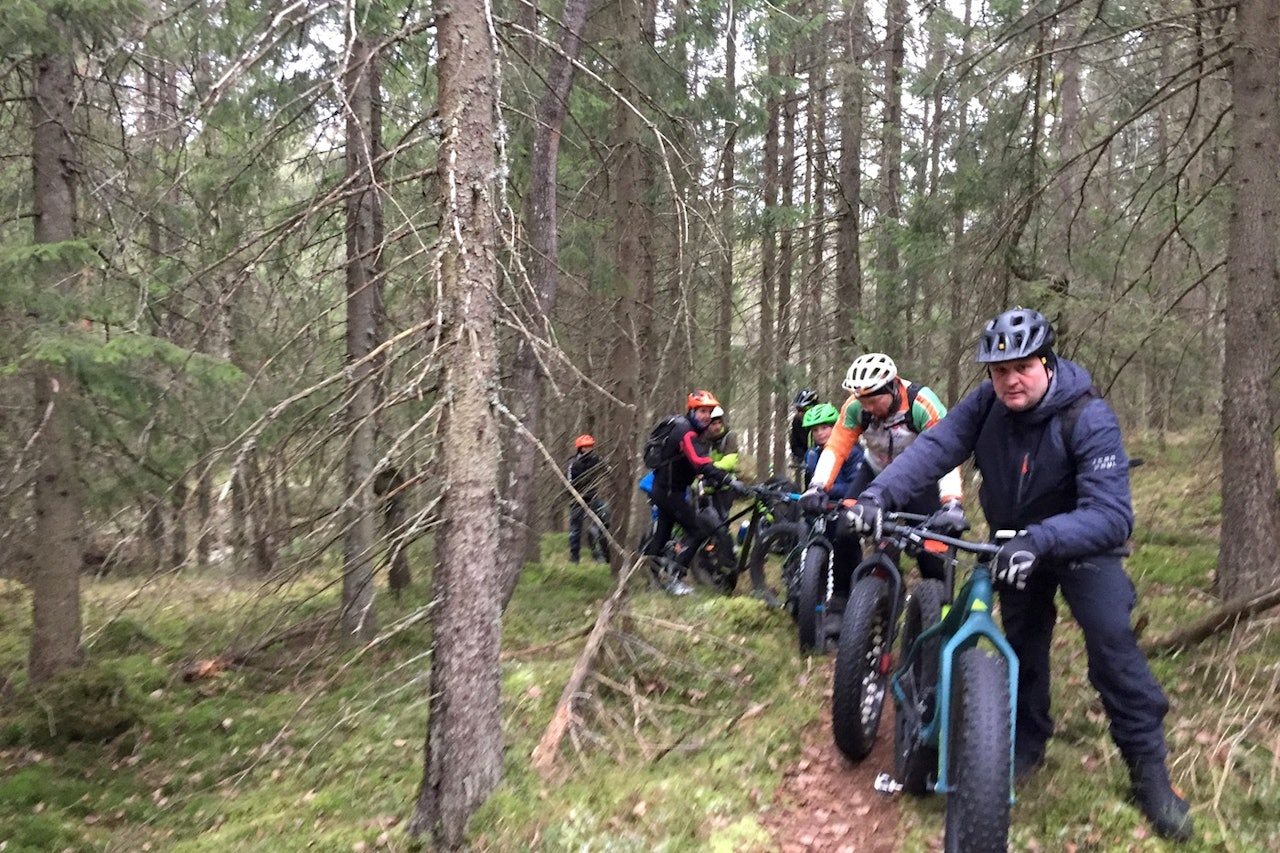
[(812, 597), (915, 764), (715, 565), (862, 667), (978, 761), (775, 555)]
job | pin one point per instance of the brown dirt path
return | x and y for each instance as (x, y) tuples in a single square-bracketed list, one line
[(826, 803)]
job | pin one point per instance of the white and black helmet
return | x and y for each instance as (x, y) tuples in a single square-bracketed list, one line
[(869, 372), (1015, 334)]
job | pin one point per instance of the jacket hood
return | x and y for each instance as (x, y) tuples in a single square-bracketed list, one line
[(1069, 381)]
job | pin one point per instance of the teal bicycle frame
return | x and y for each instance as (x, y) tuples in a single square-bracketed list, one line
[(964, 623)]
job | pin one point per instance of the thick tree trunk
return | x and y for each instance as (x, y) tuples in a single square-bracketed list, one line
[(463, 751), (1249, 557), (55, 584), (364, 308)]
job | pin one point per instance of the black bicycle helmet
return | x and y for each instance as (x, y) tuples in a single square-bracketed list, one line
[(1015, 334), (805, 398)]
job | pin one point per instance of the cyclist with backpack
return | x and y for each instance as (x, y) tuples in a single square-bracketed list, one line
[(583, 473), (677, 452), (1054, 469), (888, 414)]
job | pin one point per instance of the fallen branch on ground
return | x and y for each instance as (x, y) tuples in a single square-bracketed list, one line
[(544, 754), (210, 667), (530, 651), (1225, 618)]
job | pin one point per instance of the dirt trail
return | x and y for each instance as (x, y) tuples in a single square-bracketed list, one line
[(826, 804)]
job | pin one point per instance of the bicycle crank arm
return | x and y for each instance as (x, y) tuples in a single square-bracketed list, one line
[(887, 785)]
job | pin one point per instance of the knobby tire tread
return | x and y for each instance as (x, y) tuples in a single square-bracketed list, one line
[(813, 592), (916, 766), (783, 535), (978, 805), (861, 674)]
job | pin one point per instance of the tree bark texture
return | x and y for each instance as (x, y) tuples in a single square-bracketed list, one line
[(849, 204), (364, 308), (770, 455), (55, 585), (1249, 558), (463, 750), (632, 368), (893, 297)]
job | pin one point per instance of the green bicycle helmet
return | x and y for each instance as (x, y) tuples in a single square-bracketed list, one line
[(823, 413)]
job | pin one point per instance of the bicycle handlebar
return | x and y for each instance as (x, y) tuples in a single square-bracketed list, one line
[(915, 530), (773, 493)]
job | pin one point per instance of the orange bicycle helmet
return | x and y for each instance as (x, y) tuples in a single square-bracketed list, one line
[(701, 398), (584, 440)]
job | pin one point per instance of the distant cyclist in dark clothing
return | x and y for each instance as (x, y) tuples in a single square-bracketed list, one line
[(1067, 498), (685, 457), (584, 475), (798, 440)]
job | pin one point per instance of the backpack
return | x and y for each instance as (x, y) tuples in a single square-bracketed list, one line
[(655, 447), (1071, 416), (913, 391)]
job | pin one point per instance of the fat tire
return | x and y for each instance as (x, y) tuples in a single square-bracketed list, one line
[(717, 568), (812, 594), (915, 764), (862, 667), (781, 537), (978, 772)]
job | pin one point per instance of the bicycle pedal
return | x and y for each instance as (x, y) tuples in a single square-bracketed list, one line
[(887, 785)]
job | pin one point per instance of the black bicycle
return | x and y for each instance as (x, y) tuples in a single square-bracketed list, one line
[(719, 563), (867, 632), (813, 585)]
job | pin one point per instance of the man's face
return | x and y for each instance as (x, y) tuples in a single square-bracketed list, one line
[(820, 434), (702, 413), (1020, 384), (716, 429), (877, 406)]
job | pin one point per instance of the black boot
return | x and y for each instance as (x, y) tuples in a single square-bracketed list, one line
[(1169, 813)]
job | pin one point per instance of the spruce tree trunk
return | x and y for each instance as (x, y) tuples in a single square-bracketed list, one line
[(463, 750), (1249, 558), (849, 169), (772, 446), (59, 530), (359, 611)]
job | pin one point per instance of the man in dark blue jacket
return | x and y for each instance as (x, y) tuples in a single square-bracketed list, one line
[(1068, 495), (686, 456)]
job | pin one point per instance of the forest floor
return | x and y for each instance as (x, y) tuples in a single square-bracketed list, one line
[(827, 804)]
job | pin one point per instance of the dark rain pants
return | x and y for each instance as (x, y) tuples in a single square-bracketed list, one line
[(1101, 598)]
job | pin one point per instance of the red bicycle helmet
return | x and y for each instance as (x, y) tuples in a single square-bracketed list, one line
[(701, 398), (584, 440)]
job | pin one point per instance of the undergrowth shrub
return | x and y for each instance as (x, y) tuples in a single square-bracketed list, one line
[(94, 704)]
